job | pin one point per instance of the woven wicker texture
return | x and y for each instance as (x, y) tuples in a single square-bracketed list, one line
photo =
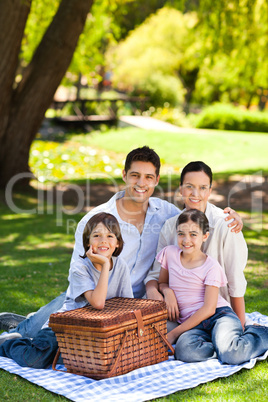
[(105, 343), (116, 311)]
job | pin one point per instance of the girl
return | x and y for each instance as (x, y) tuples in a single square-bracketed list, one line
[(190, 281), (100, 275), (228, 248)]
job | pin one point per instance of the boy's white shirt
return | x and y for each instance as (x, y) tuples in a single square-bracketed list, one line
[(228, 248)]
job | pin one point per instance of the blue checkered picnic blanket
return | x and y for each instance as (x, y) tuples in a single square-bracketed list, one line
[(137, 386)]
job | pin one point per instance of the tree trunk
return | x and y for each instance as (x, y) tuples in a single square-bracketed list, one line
[(13, 17), (188, 79), (26, 105)]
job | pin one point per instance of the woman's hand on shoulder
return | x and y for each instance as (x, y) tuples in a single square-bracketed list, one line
[(237, 223)]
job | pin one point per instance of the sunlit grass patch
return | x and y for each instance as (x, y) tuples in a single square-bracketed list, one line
[(54, 162)]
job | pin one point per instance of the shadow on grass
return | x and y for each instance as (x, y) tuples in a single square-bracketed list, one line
[(239, 190), (35, 256), (35, 251)]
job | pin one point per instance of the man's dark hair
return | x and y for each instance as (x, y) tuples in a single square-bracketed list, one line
[(143, 154)]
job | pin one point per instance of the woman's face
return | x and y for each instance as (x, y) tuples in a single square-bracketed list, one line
[(195, 190)]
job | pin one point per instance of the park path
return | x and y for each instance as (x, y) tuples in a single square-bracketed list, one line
[(144, 122), (149, 123)]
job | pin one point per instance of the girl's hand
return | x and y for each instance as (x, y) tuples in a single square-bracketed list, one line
[(172, 337), (97, 258), (172, 304)]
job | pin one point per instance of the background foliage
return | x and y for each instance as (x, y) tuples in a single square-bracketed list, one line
[(199, 52), (227, 117), (218, 55)]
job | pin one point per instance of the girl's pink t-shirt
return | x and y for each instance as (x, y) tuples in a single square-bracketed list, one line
[(189, 284)]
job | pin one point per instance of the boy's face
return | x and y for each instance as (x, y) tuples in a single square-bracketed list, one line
[(103, 241), (140, 179)]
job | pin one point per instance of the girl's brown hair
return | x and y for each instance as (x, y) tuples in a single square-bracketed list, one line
[(110, 222), (196, 216)]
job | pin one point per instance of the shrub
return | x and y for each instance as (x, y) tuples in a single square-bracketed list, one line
[(160, 88), (170, 115), (228, 117)]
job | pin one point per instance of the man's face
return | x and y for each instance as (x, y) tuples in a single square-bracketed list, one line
[(140, 180)]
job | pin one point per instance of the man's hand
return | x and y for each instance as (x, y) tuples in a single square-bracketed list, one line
[(152, 291), (237, 223), (154, 294)]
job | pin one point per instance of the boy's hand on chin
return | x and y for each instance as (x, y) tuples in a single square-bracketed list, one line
[(96, 258)]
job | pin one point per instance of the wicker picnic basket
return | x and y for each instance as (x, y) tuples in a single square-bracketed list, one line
[(125, 335)]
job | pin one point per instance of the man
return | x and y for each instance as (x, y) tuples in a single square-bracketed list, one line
[(141, 218)]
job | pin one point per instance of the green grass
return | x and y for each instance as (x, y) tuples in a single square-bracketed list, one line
[(222, 150), (35, 250), (76, 157), (34, 257)]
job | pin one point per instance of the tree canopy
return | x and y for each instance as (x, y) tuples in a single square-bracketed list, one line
[(219, 56), (153, 54), (198, 51)]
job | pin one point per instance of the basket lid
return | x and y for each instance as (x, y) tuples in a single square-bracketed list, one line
[(117, 310)]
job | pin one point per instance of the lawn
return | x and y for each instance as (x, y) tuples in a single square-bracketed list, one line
[(35, 256), (73, 157), (36, 248), (216, 148)]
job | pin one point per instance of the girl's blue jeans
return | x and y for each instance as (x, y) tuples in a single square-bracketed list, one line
[(221, 336)]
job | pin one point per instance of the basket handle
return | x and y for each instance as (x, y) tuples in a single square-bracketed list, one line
[(56, 358), (140, 325), (164, 339), (115, 363)]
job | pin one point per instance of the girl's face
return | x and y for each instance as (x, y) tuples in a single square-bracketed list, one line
[(195, 190), (190, 237), (103, 241)]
